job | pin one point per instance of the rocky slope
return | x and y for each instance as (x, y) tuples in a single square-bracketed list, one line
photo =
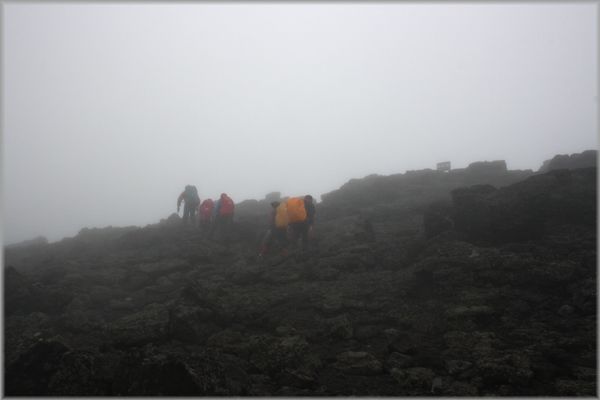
[(475, 282)]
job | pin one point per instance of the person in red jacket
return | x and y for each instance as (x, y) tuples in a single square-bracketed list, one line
[(205, 214), (224, 209)]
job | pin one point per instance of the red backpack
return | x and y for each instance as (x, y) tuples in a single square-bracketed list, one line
[(206, 209), (227, 206)]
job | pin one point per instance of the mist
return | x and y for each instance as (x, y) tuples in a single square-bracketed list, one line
[(111, 109)]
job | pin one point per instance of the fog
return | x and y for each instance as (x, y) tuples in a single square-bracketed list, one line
[(109, 110)]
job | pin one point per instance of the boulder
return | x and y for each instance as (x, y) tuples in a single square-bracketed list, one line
[(585, 159), (339, 327), (358, 363), (525, 211), (31, 373), (414, 378), (148, 325)]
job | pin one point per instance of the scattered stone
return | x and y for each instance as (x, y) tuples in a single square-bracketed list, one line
[(398, 361), (565, 310), (455, 367), (340, 327), (358, 363), (414, 378)]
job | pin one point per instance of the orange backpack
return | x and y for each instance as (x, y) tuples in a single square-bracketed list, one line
[(295, 209), (281, 216)]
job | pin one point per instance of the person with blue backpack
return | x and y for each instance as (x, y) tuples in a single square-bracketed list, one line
[(191, 201)]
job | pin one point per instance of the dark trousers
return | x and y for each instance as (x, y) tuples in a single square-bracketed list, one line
[(299, 230), (275, 235), (189, 213)]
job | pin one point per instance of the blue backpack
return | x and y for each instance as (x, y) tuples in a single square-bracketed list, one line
[(191, 195)]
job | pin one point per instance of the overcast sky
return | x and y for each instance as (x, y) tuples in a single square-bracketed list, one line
[(111, 109)]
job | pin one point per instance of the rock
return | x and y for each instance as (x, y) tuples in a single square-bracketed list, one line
[(35, 242), (585, 295), (403, 343), (569, 387), (414, 378), (398, 361), (438, 219), (135, 280), (272, 355), (507, 369), (331, 305), (524, 211), (461, 389), (470, 312), (244, 274), (392, 299), (281, 275), (77, 376), (358, 363), (471, 211), (31, 373), (391, 334), (163, 268), (166, 376), (297, 378), (437, 385), (326, 273), (149, 325), (229, 341), (285, 331), (487, 167), (339, 327), (455, 367), (366, 332), (563, 161), (191, 324), (565, 310)]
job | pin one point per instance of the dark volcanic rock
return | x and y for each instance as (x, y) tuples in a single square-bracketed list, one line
[(528, 209), (408, 289), (31, 373), (36, 241), (588, 158), (487, 167)]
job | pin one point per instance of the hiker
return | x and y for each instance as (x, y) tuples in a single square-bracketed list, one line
[(299, 219), (191, 200), (223, 214), (277, 232), (310, 212), (205, 214)]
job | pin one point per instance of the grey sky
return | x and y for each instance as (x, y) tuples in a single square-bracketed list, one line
[(110, 109)]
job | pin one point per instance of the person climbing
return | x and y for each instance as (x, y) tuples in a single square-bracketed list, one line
[(223, 215), (191, 200), (205, 214), (297, 217), (310, 212), (277, 232)]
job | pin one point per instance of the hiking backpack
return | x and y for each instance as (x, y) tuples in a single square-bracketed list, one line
[(191, 195), (227, 206), (281, 216), (295, 210)]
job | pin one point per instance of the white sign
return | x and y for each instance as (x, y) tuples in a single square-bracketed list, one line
[(443, 166)]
